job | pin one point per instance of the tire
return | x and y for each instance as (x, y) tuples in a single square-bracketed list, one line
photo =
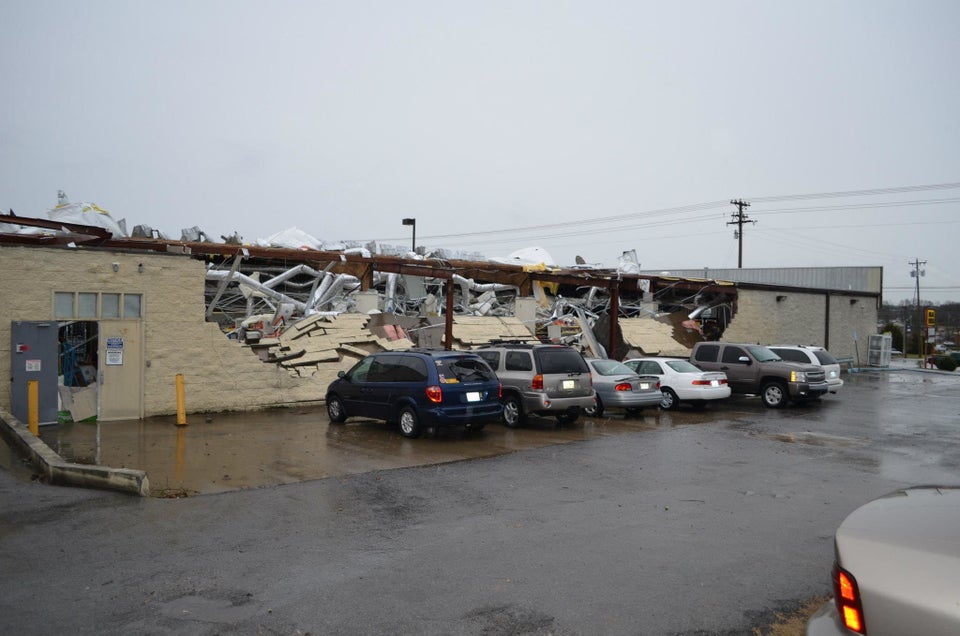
[(409, 422), (335, 410), (569, 416), (513, 415), (669, 400), (774, 394), (595, 411)]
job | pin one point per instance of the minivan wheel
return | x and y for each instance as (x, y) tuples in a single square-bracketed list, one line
[(335, 410), (668, 400), (409, 422), (774, 394), (512, 411)]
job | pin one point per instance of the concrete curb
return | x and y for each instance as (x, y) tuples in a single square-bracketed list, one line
[(900, 369), (59, 472)]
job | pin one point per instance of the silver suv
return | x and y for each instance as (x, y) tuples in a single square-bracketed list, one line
[(544, 379)]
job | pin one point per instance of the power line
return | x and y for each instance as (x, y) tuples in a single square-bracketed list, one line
[(717, 204), (861, 206), (508, 236), (644, 220), (858, 193), (580, 223)]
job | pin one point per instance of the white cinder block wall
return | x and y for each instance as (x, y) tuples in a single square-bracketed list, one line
[(218, 373), (800, 318)]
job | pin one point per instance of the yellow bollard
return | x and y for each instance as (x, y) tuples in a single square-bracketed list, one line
[(181, 451), (181, 405), (33, 406)]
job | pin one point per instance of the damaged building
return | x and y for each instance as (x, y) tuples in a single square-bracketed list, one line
[(105, 323)]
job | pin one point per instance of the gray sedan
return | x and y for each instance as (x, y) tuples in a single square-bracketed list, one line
[(619, 387)]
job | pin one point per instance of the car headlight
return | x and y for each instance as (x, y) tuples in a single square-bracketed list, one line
[(798, 376)]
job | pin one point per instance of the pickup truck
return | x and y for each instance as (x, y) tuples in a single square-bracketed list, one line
[(756, 370)]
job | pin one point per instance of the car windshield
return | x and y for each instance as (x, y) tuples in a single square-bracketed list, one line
[(464, 369), (762, 354), (682, 366), (612, 367)]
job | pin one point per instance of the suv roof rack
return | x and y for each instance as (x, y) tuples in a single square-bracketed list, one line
[(497, 342)]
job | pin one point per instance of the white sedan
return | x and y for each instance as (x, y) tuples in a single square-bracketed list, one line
[(680, 381)]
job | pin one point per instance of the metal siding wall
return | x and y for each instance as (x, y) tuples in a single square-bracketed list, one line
[(866, 279)]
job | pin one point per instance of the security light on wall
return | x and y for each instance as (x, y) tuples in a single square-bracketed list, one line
[(781, 298), (116, 267)]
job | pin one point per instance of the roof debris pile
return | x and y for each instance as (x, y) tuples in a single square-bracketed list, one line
[(301, 302)]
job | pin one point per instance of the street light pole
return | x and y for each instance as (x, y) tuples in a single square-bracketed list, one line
[(413, 240)]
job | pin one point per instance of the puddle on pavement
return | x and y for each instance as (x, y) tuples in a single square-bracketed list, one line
[(816, 439), (233, 451)]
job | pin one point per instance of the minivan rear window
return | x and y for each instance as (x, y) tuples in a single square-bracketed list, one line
[(397, 368), (466, 369), (561, 360)]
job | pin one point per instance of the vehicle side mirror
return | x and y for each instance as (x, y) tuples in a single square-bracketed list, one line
[(341, 373), (745, 360)]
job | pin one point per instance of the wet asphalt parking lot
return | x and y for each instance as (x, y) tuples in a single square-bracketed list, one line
[(689, 522)]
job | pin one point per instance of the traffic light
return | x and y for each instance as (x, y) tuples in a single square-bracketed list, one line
[(931, 317)]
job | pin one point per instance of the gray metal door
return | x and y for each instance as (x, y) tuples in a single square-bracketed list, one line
[(34, 355)]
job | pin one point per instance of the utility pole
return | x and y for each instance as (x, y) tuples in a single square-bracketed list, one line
[(739, 218), (921, 328)]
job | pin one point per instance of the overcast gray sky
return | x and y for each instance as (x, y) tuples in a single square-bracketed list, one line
[(586, 128)]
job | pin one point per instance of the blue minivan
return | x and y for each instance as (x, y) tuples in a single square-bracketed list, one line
[(418, 389)]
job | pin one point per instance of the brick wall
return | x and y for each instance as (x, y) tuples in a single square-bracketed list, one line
[(800, 318), (218, 373)]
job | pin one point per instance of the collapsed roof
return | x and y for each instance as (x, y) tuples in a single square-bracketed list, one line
[(291, 276)]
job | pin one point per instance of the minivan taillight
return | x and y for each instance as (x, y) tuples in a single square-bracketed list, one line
[(500, 391), (537, 384), (846, 595), (435, 394)]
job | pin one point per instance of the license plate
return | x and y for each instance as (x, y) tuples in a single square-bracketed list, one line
[(569, 385), (644, 386), (714, 382), (473, 396)]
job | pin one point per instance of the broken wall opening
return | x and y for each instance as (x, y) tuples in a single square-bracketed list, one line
[(78, 367)]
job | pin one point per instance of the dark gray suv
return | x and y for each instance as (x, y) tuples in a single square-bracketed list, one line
[(418, 389), (544, 379)]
